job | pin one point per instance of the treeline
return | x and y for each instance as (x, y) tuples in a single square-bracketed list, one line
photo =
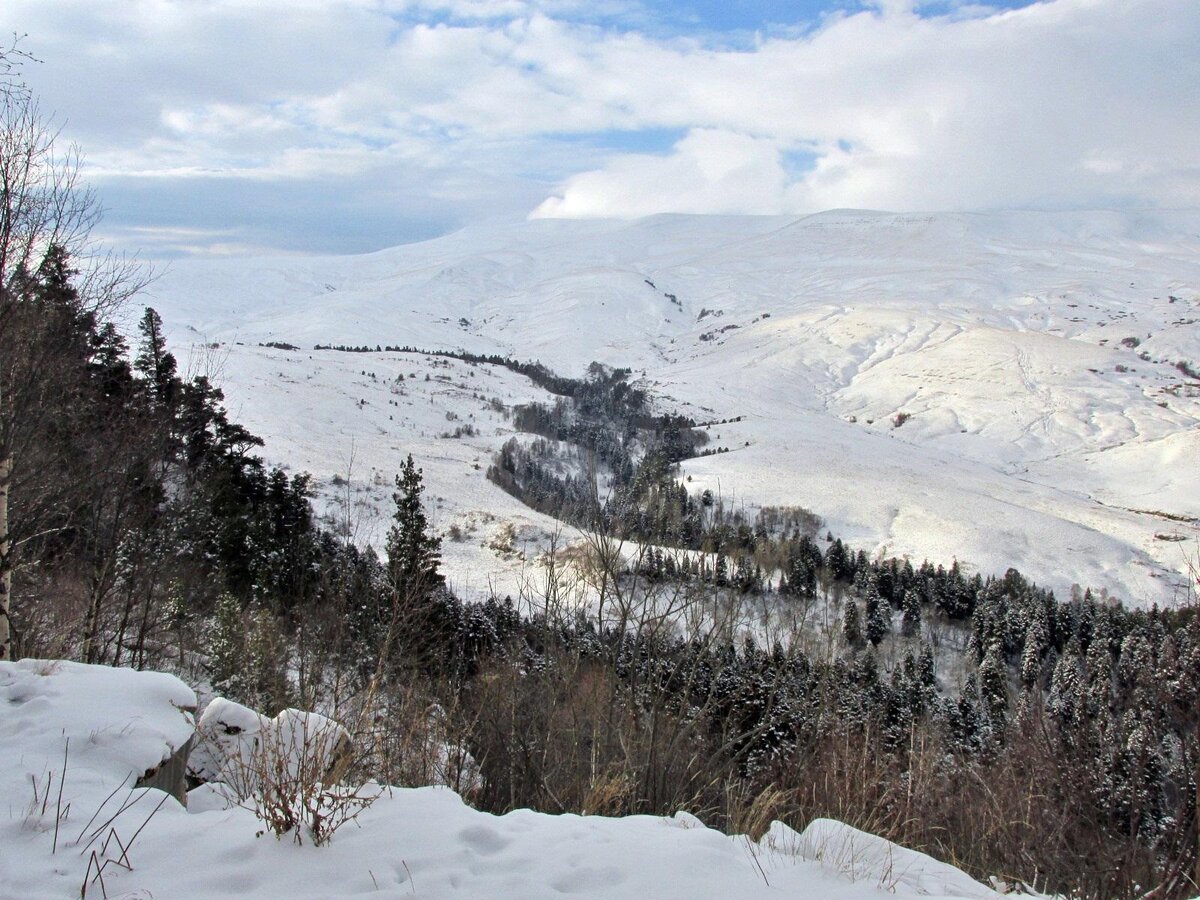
[(539, 374), (1063, 726), (1108, 698)]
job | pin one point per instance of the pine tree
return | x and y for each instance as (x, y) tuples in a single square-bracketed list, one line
[(968, 723), (721, 571), (1031, 661), (993, 687), (154, 362), (926, 669), (1065, 685), (413, 552), (227, 649), (851, 624), (878, 618), (910, 625)]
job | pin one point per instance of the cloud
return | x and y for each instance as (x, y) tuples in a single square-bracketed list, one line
[(416, 112), (1070, 103), (708, 171)]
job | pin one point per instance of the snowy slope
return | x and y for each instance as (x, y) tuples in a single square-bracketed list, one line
[(423, 843), (1034, 354)]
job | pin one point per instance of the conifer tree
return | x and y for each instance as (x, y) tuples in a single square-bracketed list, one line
[(1031, 661), (910, 625), (413, 552), (852, 624), (1063, 700), (227, 649), (878, 620), (154, 362), (993, 689)]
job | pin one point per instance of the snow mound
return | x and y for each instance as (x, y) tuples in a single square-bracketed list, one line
[(860, 856), (234, 740), (421, 842)]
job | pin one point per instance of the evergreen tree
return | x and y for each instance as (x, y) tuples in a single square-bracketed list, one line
[(413, 552), (968, 722), (852, 624), (227, 649), (993, 686), (721, 571), (154, 362), (1031, 661), (926, 670), (910, 625), (1065, 685), (878, 617)]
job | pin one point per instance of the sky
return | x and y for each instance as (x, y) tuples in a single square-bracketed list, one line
[(245, 126)]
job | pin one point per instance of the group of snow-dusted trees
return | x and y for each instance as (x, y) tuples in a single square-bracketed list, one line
[(63, 374)]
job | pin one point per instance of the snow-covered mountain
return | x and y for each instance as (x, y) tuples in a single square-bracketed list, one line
[(999, 388)]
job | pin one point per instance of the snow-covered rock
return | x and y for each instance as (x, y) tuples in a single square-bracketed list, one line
[(238, 746)]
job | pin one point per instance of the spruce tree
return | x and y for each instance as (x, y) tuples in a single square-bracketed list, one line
[(413, 552), (1031, 661), (154, 362), (878, 618), (852, 624), (993, 686), (910, 625)]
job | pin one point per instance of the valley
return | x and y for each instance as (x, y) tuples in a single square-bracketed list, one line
[(1000, 389)]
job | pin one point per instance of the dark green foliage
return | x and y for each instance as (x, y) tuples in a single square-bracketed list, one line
[(852, 632), (878, 617), (413, 551), (169, 520), (154, 362), (910, 624)]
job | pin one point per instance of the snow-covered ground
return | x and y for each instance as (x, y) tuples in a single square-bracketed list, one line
[(1033, 354), (425, 843)]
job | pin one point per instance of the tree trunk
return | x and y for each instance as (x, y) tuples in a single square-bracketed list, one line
[(5, 561)]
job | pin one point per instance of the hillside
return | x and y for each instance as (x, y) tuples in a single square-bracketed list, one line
[(1002, 388)]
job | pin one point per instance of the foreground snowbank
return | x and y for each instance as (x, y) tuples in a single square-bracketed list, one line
[(424, 842)]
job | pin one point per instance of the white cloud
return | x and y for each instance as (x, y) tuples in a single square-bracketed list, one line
[(708, 171), (1065, 102), (986, 110)]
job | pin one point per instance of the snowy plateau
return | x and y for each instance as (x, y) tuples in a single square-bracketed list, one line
[(1004, 389)]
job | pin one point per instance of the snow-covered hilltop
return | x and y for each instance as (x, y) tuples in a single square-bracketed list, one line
[(1010, 389)]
